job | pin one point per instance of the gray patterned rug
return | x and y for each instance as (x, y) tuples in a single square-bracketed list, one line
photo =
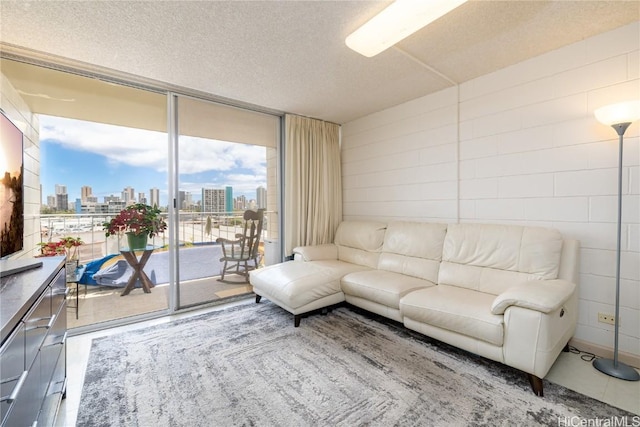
[(248, 366)]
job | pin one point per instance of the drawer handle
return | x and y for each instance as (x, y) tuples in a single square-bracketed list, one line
[(51, 319), (61, 342), (16, 390), (61, 291)]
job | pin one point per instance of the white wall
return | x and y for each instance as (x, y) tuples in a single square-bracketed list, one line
[(17, 110), (527, 150)]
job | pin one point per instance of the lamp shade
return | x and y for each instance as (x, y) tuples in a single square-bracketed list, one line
[(623, 112), (398, 21)]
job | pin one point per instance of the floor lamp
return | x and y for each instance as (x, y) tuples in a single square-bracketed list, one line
[(619, 117)]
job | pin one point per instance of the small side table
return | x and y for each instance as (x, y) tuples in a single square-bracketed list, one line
[(73, 277), (138, 266)]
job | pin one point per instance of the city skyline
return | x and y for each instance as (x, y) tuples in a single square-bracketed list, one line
[(110, 158), (130, 195)]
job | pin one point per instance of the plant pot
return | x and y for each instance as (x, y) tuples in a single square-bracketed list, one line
[(71, 266), (137, 241)]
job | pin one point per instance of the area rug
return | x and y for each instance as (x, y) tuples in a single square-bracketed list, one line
[(248, 366)]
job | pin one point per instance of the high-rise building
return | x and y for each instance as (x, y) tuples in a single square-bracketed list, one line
[(154, 196), (111, 199), (241, 203), (185, 200), (213, 200), (62, 198), (128, 195), (115, 206), (51, 201), (228, 199), (142, 198), (85, 193), (261, 197), (62, 202)]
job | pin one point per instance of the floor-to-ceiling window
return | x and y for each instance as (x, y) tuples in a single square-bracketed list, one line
[(104, 145), (226, 159)]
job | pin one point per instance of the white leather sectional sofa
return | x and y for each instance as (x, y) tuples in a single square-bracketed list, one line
[(505, 292)]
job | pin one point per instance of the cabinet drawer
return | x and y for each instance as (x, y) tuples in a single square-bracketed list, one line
[(25, 408), (12, 370), (37, 322), (54, 342), (33, 350), (56, 390)]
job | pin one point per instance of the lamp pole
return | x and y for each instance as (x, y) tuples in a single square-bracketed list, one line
[(614, 367)]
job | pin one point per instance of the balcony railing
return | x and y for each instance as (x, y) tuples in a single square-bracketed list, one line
[(193, 228)]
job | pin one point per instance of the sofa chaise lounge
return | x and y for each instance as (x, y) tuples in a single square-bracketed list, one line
[(504, 292)]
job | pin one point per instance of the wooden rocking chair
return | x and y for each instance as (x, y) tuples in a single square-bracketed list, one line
[(239, 254)]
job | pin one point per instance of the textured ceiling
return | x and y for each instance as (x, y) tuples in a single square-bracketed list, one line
[(290, 56)]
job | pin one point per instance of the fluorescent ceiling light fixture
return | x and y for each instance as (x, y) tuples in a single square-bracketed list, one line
[(622, 112), (398, 21)]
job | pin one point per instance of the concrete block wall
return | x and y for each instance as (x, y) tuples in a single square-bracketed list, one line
[(402, 163), (18, 112), (527, 149)]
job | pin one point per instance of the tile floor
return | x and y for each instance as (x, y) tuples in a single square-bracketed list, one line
[(569, 370), (99, 304)]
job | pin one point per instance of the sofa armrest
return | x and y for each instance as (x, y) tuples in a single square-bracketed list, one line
[(544, 296), (317, 252)]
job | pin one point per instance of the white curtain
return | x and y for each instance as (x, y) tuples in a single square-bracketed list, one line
[(313, 182)]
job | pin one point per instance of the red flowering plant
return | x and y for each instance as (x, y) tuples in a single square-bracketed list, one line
[(138, 219), (67, 246)]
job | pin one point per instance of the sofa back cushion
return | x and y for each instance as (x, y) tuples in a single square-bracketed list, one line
[(359, 242), (413, 249), (492, 258)]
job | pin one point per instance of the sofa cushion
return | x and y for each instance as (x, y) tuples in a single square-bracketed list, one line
[(297, 283), (455, 309), (382, 287), (366, 235), (413, 249), (359, 242), (492, 258), (488, 280)]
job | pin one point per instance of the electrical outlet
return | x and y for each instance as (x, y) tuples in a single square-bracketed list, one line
[(606, 318)]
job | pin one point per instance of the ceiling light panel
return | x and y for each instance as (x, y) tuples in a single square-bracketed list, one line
[(398, 21)]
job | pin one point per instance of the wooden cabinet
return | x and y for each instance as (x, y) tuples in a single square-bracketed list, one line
[(33, 350)]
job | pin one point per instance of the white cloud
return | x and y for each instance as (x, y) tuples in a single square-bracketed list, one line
[(200, 155), (135, 147), (143, 148)]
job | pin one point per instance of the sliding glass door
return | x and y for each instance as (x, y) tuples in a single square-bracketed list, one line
[(226, 164), (99, 146), (93, 148)]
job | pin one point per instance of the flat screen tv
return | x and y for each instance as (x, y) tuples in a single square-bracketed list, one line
[(11, 190)]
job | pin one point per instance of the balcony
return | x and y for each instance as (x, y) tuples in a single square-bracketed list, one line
[(198, 280)]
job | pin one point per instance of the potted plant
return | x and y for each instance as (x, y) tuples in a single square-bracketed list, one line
[(66, 246), (139, 222)]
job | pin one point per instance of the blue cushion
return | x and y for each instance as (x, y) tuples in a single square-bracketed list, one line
[(92, 268)]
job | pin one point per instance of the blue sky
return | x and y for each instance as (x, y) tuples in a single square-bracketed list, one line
[(109, 158)]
